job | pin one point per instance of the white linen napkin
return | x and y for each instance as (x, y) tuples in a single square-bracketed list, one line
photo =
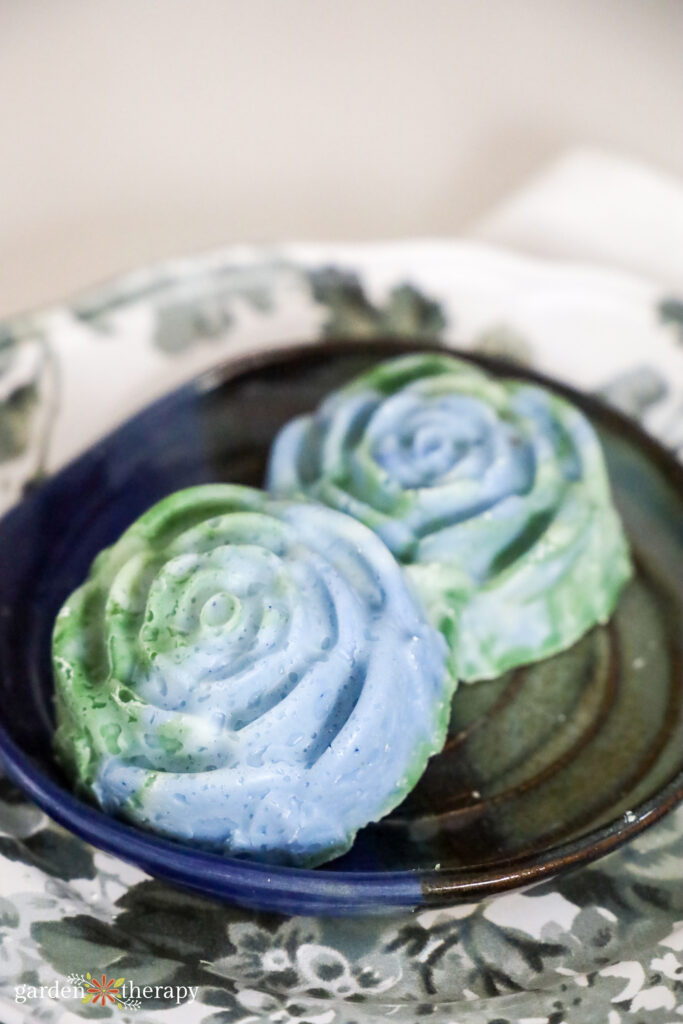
[(598, 207)]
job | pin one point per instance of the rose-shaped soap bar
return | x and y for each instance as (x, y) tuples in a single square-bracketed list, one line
[(250, 674), (493, 492)]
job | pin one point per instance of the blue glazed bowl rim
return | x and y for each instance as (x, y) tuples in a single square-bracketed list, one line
[(280, 888)]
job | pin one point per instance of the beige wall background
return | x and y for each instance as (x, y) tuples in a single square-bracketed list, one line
[(136, 129)]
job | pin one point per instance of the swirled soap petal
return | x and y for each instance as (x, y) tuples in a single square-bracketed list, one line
[(250, 674), (493, 492)]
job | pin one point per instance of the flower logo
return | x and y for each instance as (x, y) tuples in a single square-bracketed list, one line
[(103, 991)]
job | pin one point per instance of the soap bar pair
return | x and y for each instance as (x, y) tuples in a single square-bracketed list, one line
[(265, 675)]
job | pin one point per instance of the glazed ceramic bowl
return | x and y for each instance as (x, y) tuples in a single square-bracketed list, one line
[(548, 766)]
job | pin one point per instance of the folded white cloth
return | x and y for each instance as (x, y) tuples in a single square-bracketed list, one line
[(597, 207)]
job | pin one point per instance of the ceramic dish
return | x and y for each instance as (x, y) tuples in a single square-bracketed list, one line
[(547, 767)]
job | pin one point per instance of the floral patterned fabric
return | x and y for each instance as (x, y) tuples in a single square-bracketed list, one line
[(603, 943)]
